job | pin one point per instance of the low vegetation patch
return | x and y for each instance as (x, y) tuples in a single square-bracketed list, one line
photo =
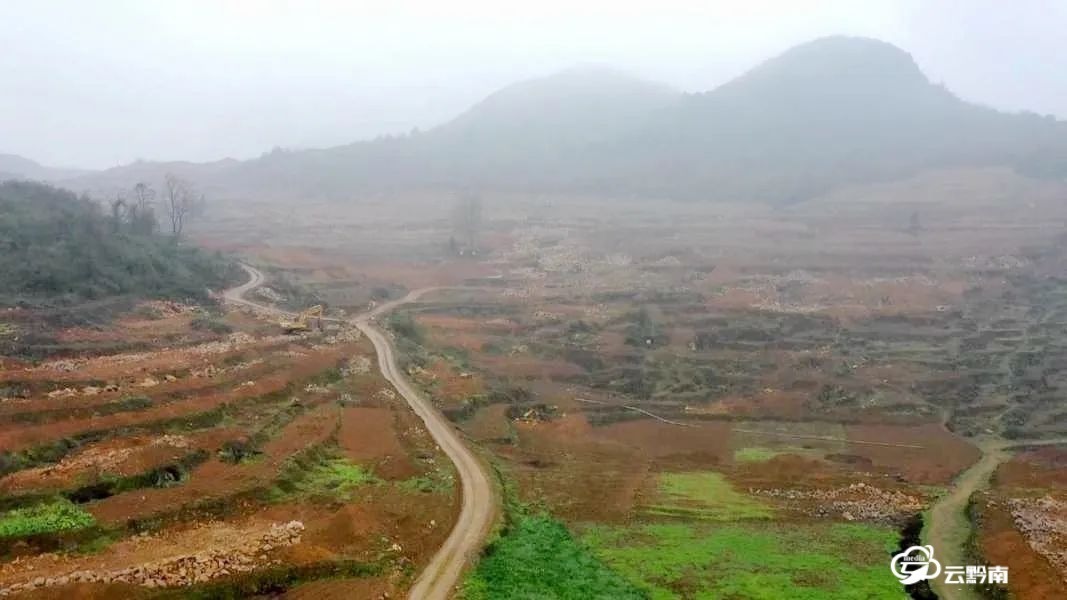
[(704, 495), (538, 558), (210, 323), (320, 474), (437, 481), (753, 454), (52, 517), (755, 560)]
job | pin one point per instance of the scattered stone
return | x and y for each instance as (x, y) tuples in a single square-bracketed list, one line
[(858, 501), (1043, 522), (188, 569)]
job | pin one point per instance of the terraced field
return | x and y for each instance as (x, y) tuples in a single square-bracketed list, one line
[(226, 463)]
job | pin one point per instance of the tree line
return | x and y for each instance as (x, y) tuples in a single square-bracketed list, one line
[(134, 210), (63, 247)]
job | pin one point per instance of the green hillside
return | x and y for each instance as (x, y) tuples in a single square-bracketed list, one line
[(56, 246)]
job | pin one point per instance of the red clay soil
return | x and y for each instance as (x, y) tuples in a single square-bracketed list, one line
[(346, 589), (451, 386), (595, 482), (707, 445), (1039, 468), (184, 386), (1031, 577), (369, 436), (789, 470), (16, 437), (378, 517), (941, 457), (587, 473), (216, 479)]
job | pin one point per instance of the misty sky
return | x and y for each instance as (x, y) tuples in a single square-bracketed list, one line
[(98, 83)]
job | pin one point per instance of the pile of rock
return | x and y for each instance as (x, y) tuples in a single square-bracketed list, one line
[(63, 393), (65, 365), (269, 294), (858, 501), (165, 308), (172, 440), (89, 390), (182, 570), (347, 334), (357, 365), (206, 372), (1043, 522)]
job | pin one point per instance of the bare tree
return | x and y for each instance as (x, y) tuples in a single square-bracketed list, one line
[(181, 203), (467, 218), (143, 196), (142, 213), (119, 210)]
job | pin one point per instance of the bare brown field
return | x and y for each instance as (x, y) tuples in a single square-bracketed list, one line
[(935, 458)]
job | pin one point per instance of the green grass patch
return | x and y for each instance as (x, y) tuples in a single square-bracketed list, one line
[(438, 481), (752, 454), (755, 454), (51, 517), (322, 476), (753, 560), (537, 558), (704, 495)]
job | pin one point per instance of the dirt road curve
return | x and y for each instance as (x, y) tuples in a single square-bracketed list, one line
[(948, 527), (478, 511)]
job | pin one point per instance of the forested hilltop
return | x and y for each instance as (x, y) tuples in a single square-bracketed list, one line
[(57, 246)]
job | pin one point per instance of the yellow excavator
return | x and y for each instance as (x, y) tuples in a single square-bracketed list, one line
[(302, 322)]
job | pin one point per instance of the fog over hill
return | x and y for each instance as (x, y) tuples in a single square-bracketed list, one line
[(829, 112), (18, 167)]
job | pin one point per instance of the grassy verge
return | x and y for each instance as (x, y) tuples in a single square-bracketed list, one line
[(974, 555), (753, 560), (536, 557)]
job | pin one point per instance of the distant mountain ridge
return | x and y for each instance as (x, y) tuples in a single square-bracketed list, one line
[(833, 111), (13, 166)]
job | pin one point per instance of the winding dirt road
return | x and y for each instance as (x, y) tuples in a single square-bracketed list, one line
[(479, 502), (948, 528)]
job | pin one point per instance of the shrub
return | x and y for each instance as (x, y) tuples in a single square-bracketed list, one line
[(212, 323), (538, 558), (54, 517)]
